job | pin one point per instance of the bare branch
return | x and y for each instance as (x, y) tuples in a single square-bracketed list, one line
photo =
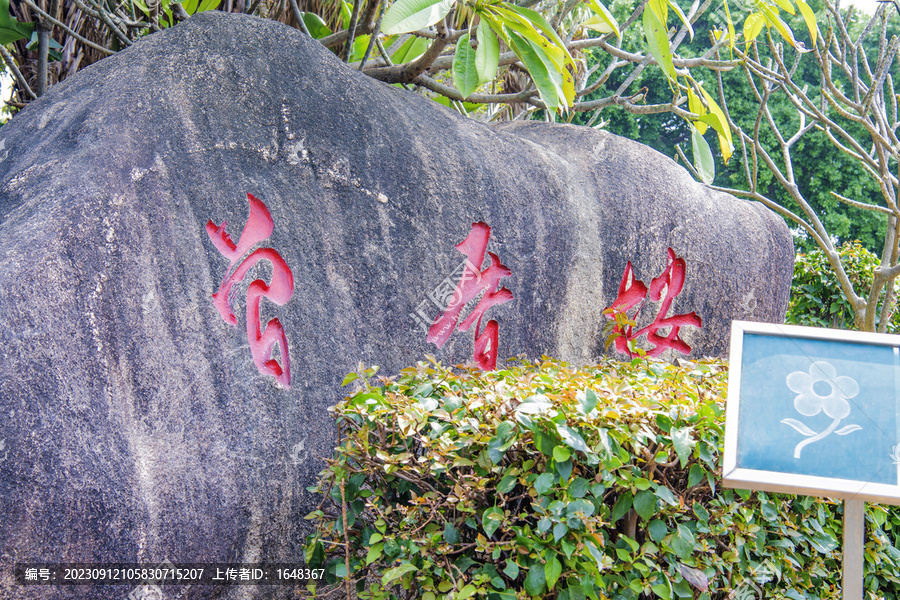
[(861, 205), (11, 64)]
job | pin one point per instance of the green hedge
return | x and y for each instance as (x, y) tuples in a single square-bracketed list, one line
[(542, 480), (816, 296)]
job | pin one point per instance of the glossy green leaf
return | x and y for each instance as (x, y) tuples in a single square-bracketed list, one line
[(579, 487), (491, 520), (410, 50), (514, 21), (193, 7), (645, 504), (683, 442), (346, 14), (597, 24), (572, 438), (374, 553), (465, 74), (315, 25), (706, 167), (411, 15), (507, 484), (543, 483), (451, 533), (580, 508), (487, 55), (392, 575), (511, 570), (696, 474), (536, 580), (666, 495), (12, 30), (561, 454), (658, 43), (683, 542), (657, 530), (552, 571), (662, 590), (546, 42), (622, 506)]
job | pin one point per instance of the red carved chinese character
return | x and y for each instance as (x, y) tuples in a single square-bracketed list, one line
[(633, 292), (258, 228), (472, 282)]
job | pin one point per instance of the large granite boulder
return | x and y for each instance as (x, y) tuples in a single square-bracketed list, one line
[(144, 420)]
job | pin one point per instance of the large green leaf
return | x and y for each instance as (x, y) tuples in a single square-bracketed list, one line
[(410, 50), (410, 15), (538, 21), (397, 572), (703, 161), (775, 21), (487, 55), (546, 79), (683, 542), (660, 8), (536, 580), (10, 29), (657, 530), (683, 17), (513, 21), (605, 16), (491, 520), (534, 28), (731, 33), (683, 442), (753, 25), (315, 25), (465, 73), (658, 42), (552, 571), (810, 19), (720, 124), (572, 438), (193, 7), (695, 105), (588, 401), (645, 504), (786, 6), (622, 506)]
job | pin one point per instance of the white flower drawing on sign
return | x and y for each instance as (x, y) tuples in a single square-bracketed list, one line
[(821, 390)]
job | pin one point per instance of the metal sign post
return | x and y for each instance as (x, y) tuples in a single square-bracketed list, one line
[(816, 412), (854, 546)]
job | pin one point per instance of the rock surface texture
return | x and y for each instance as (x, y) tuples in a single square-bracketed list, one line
[(142, 421)]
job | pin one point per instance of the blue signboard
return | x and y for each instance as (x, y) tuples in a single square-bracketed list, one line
[(813, 411)]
